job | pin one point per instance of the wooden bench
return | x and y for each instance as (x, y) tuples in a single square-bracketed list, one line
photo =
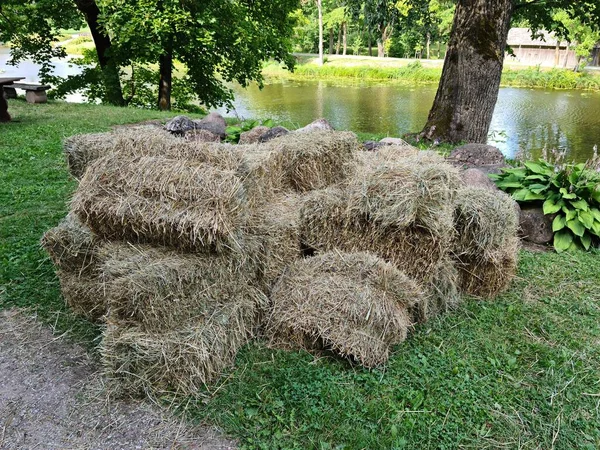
[(34, 93)]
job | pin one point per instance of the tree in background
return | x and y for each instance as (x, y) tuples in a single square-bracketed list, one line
[(468, 90)]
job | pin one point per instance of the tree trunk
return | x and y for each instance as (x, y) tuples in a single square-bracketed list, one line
[(380, 49), (557, 53), (165, 63), (428, 44), (345, 37), (468, 90), (331, 41), (370, 45), (566, 61), (339, 41), (110, 70), (320, 8)]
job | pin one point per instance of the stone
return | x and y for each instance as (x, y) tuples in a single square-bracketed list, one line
[(535, 226), (476, 155), (394, 141), (478, 178), (492, 168), (372, 146), (196, 135), (317, 125), (273, 133), (252, 136), (36, 97), (10, 92), (214, 122), (179, 125)]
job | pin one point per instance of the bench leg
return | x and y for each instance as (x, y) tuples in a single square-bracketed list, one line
[(4, 115), (36, 97), (10, 92)]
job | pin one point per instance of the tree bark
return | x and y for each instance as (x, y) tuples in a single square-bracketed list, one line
[(339, 41), (370, 45), (331, 41), (468, 90), (345, 37), (110, 70), (320, 8), (165, 63), (428, 45), (380, 49)]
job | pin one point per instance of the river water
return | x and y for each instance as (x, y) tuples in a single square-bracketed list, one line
[(528, 119)]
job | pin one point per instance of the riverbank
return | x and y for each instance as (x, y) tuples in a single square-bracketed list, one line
[(427, 72), (519, 371)]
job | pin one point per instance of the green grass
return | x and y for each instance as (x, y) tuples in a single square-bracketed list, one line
[(522, 371), (416, 74)]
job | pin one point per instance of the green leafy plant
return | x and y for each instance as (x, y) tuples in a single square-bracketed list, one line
[(234, 131), (571, 193)]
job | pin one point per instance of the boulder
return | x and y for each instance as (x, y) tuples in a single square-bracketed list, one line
[(273, 133), (478, 178), (179, 125), (252, 136), (492, 168), (214, 122), (535, 226), (372, 146), (317, 125), (197, 135), (476, 155), (394, 141)]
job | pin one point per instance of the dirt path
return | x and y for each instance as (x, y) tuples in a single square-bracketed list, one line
[(51, 398)]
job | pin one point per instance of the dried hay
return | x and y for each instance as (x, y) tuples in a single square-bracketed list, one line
[(262, 173), (486, 245), (182, 360), (441, 292), (354, 303), (318, 159), (83, 293), (82, 149), (158, 290), (328, 222), (180, 203)]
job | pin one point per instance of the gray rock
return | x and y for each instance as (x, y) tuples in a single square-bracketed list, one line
[(476, 155), (214, 122), (197, 135), (478, 178), (394, 141), (179, 125), (492, 168), (372, 146), (252, 136), (535, 226), (273, 133), (317, 125)]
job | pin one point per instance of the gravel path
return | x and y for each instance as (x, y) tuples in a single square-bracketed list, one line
[(51, 397)]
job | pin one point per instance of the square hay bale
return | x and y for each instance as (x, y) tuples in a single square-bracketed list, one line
[(262, 173), (81, 149), (486, 245), (180, 361), (180, 203), (318, 159), (83, 293), (160, 290), (355, 304), (440, 293)]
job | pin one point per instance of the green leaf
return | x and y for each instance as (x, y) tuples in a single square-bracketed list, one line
[(566, 194), (586, 218), (537, 188), (509, 184), (586, 241), (596, 213), (536, 177), (559, 223), (550, 207), (596, 228), (576, 227), (562, 240), (596, 195), (521, 194), (537, 168), (581, 204), (569, 213)]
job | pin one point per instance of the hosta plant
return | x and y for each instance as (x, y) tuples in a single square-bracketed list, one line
[(235, 131), (569, 192)]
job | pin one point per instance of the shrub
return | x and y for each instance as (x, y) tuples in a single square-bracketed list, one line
[(570, 192)]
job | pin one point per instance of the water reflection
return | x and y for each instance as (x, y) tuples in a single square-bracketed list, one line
[(524, 118)]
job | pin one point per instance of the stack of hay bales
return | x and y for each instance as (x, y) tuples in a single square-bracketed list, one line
[(195, 246)]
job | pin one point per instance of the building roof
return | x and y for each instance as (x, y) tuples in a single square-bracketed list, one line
[(522, 36)]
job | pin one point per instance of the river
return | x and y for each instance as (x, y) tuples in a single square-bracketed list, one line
[(529, 119)]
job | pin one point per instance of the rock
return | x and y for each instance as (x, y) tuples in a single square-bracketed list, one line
[(179, 125), (476, 155), (214, 122), (535, 226), (372, 146), (196, 135), (317, 125), (394, 141), (492, 168), (252, 136), (273, 133), (478, 178)]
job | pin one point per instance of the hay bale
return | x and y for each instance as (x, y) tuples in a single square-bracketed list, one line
[(159, 290), (84, 294), (276, 227), (184, 360), (486, 244), (82, 149), (181, 203), (353, 303), (441, 292), (316, 160), (262, 173)]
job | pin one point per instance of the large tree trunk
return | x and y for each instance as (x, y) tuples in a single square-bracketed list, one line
[(428, 45), (345, 38), (468, 90), (165, 82), (339, 41), (331, 41), (110, 70), (320, 8), (380, 49)]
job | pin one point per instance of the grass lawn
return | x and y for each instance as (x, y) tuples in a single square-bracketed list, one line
[(522, 371)]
